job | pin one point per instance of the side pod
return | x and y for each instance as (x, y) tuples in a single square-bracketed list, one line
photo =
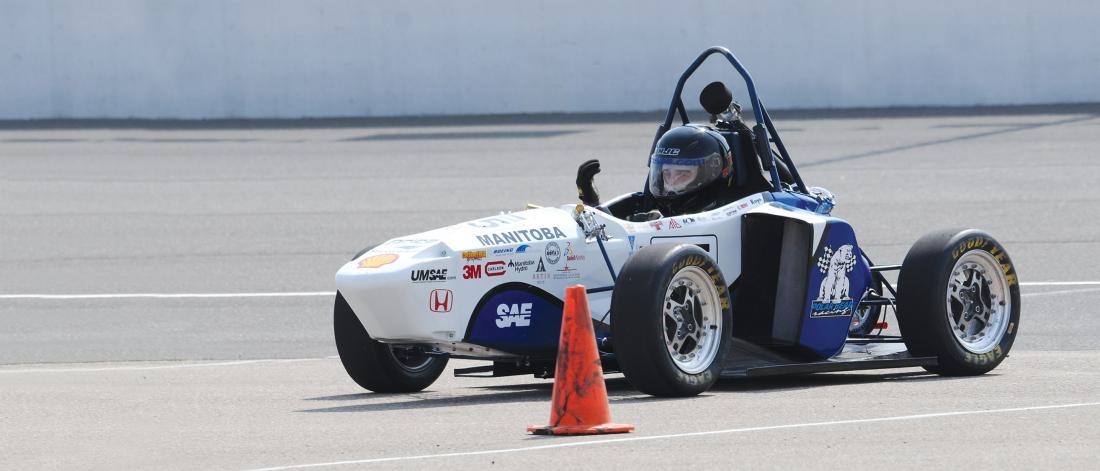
[(801, 278)]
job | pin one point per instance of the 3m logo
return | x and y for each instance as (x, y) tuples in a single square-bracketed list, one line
[(513, 315), (495, 268), (440, 300), (470, 272)]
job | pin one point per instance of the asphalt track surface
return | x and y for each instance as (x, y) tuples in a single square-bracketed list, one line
[(175, 378)]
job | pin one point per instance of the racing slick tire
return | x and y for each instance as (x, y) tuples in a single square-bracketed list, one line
[(377, 366), (671, 320), (958, 300)]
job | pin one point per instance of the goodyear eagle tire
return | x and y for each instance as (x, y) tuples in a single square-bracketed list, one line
[(375, 365), (671, 320), (959, 300)]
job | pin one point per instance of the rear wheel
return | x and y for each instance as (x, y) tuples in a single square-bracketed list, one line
[(959, 300), (377, 366), (671, 320)]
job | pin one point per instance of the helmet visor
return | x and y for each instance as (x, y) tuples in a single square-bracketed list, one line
[(673, 176)]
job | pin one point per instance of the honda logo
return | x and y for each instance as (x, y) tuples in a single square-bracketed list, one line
[(440, 300)]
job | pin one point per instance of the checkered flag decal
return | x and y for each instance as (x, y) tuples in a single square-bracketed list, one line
[(827, 256), (823, 261)]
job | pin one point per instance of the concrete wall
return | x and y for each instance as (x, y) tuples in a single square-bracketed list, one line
[(284, 58)]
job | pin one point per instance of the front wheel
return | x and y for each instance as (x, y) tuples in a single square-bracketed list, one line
[(959, 300), (377, 366), (671, 320)]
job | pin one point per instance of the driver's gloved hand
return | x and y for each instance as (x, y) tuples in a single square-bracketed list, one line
[(642, 217)]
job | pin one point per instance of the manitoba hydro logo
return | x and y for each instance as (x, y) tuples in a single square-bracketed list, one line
[(832, 296)]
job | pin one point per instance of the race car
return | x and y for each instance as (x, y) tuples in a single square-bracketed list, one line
[(757, 279)]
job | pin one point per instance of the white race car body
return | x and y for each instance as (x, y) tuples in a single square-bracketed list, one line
[(493, 287)]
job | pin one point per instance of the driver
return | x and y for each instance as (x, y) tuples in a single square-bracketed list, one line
[(690, 171)]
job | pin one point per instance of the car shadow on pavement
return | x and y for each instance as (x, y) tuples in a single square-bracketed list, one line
[(821, 380), (617, 389), (431, 399)]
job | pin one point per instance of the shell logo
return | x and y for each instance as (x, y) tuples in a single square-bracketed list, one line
[(376, 261)]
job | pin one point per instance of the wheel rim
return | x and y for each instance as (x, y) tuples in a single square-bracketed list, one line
[(978, 302), (860, 317), (692, 319), (410, 362)]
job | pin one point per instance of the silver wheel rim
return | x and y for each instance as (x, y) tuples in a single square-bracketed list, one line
[(692, 320), (978, 302), (411, 363), (859, 318)]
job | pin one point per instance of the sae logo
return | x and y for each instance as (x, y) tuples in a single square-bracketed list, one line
[(513, 315)]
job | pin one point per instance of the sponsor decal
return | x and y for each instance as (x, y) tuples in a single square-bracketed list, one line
[(666, 151), (519, 236), (656, 225), (375, 261), (566, 273), (688, 221), (440, 300), (631, 239), (737, 207), (496, 221), (630, 228), (552, 253), (471, 272), (474, 254), (732, 211), (429, 275), (570, 255), (520, 266), (540, 273), (511, 250), (513, 315), (495, 268), (672, 224), (832, 295)]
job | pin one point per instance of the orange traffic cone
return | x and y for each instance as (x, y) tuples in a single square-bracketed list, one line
[(579, 403)]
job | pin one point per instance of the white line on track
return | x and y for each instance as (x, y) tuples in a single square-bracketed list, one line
[(680, 435), (294, 294), (1062, 291), (157, 367), (1060, 283)]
